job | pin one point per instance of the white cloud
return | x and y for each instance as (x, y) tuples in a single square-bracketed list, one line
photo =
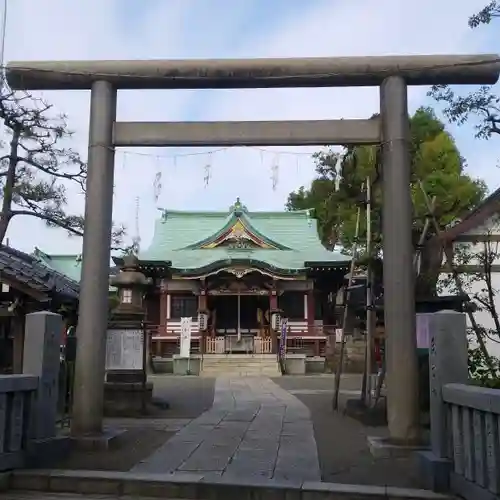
[(101, 29)]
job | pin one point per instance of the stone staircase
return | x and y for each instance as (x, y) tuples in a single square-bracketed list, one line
[(240, 365)]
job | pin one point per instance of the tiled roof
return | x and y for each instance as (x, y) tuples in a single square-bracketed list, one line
[(489, 207), (295, 232), (28, 270)]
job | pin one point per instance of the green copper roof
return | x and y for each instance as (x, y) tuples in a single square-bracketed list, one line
[(69, 265), (192, 241)]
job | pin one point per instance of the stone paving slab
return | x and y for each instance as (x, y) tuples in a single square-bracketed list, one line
[(162, 424), (255, 429), (48, 484)]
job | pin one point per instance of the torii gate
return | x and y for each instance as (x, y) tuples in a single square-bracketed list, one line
[(391, 74)]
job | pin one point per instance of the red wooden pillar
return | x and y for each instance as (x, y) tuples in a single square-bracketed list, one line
[(202, 308), (311, 309), (162, 330), (311, 313), (273, 300), (273, 306)]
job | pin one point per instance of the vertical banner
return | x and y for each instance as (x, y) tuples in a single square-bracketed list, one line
[(284, 330), (186, 325)]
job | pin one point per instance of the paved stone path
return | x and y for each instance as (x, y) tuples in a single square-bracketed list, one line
[(254, 429)]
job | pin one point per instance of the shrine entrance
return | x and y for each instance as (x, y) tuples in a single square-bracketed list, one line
[(392, 74), (237, 313)]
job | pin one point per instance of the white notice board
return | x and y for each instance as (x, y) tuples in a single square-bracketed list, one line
[(186, 325), (124, 349)]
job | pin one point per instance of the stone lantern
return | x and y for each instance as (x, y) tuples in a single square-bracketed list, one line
[(131, 284), (127, 391)]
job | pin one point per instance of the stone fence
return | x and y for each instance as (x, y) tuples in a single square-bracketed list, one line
[(465, 419), (473, 420), (28, 401), (17, 393)]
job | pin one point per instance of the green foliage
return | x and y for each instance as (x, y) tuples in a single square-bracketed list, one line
[(485, 15), (482, 105), (435, 161), (479, 370)]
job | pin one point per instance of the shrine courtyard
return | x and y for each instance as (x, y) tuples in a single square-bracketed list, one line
[(249, 428)]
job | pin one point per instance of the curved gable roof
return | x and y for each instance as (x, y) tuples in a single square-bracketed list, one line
[(288, 239)]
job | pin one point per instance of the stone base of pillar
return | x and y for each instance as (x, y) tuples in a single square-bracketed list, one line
[(386, 448), (434, 471), (97, 442), (128, 399)]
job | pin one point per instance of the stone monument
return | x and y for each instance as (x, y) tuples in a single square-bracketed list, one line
[(126, 389), (41, 358)]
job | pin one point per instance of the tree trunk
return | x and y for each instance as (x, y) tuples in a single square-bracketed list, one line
[(431, 259), (10, 182)]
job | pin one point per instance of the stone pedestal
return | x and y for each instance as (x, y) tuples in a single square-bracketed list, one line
[(295, 364), (186, 366), (41, 358), (127, 392), (127, 399)]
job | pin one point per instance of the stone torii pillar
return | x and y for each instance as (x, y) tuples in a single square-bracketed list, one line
[(391, 73), (94, 288), (399, 287)]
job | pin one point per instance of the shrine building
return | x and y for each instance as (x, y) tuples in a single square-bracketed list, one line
[(238, 267)]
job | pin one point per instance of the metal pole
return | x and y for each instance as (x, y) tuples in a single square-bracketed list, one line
[(340, 361), (370, 317), (93, 311), (399, 291), (144, 366)]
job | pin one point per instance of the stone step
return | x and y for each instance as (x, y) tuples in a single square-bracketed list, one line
[(53, 483), (260, 370), (242, 365), (240, 374), (267, 373)]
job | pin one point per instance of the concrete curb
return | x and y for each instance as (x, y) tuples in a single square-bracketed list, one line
[(196, 486)]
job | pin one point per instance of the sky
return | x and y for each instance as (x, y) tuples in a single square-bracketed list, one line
[(176, 29)]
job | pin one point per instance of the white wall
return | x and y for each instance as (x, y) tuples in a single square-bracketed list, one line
[(483, 318)]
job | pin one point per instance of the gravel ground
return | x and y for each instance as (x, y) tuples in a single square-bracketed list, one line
[(188, 397), (342, 441)]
